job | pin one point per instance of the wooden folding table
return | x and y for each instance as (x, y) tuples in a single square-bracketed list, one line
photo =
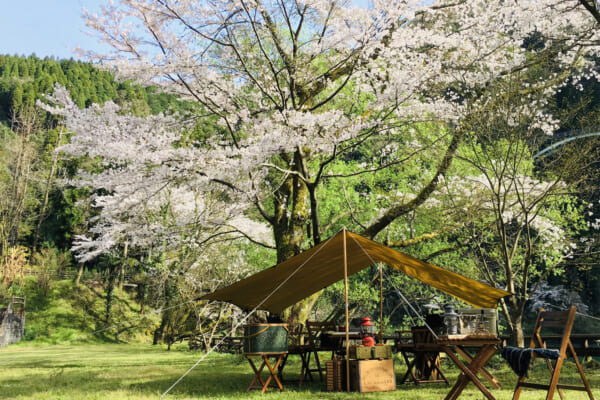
[(272, 369), (485, 346)]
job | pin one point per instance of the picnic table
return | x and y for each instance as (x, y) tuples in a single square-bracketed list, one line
[(475, 351), (228, 344)]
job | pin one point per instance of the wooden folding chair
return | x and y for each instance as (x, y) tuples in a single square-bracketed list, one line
[(547, 320), (318, 341)]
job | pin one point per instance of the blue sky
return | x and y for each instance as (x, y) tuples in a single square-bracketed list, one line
[(48, 28), (45, 27)]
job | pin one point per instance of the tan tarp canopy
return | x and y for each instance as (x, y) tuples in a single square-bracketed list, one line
[(278, 287)]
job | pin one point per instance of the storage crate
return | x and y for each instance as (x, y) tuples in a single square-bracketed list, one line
[(360, 352), (372, 375), (265, 338), (381, 351), (335, 372)]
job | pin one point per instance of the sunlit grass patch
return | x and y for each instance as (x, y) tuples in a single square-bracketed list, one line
[(142, 371)]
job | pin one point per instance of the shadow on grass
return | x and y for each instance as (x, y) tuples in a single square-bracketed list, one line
[(146, 372), (148, 381)]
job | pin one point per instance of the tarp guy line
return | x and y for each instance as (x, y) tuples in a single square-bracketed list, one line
[(206, 355), (246, 317)]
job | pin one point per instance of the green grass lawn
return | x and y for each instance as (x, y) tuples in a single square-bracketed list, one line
[(141, 371)]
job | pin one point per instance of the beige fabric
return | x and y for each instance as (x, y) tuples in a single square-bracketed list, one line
[(278, 287)]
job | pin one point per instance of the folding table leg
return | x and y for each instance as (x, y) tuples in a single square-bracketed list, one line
[(257, 375), (409, 370), (469, 373), (304, 369), (484, 372), (318, 368), (272, 373)]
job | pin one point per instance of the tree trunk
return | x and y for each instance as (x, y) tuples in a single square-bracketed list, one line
[(289, 228), (79, 274), (159, 333), (142, 290), (110, 289), (516, 336), (49, 181), (515, 311), (122, 266), (300, 312)]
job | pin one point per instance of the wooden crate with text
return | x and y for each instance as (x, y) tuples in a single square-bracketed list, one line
[(372, 375)]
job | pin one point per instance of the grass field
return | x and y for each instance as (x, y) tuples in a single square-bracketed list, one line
[(140, 371)]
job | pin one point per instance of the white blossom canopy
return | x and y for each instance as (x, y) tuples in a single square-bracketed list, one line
[(279, 77)]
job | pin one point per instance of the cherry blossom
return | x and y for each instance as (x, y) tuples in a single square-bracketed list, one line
[(304, 82)]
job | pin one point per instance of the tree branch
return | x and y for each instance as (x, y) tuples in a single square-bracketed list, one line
[(395, 212)]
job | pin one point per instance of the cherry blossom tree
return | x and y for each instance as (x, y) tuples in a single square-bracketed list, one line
[(523, 231), (286, 88), (520, 215)]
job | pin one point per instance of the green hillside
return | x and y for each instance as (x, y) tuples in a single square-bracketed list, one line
[(62, 313)]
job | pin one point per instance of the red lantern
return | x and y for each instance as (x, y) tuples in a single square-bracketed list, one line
[(367, 331)]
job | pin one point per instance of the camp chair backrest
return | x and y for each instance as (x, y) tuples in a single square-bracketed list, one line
[(421, 335), (317, 333), (552, 321), (295, 335), (548, 322), (318, 341)]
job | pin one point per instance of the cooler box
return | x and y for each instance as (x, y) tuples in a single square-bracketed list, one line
[(265, 338)]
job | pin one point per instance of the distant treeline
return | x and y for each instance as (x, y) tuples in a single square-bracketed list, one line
[(25, 79)]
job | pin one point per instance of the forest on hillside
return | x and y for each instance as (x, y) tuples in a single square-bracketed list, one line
[(41, 212), (129, 198)]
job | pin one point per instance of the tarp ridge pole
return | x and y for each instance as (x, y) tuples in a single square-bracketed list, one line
[(397, 290), (347, 324)]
